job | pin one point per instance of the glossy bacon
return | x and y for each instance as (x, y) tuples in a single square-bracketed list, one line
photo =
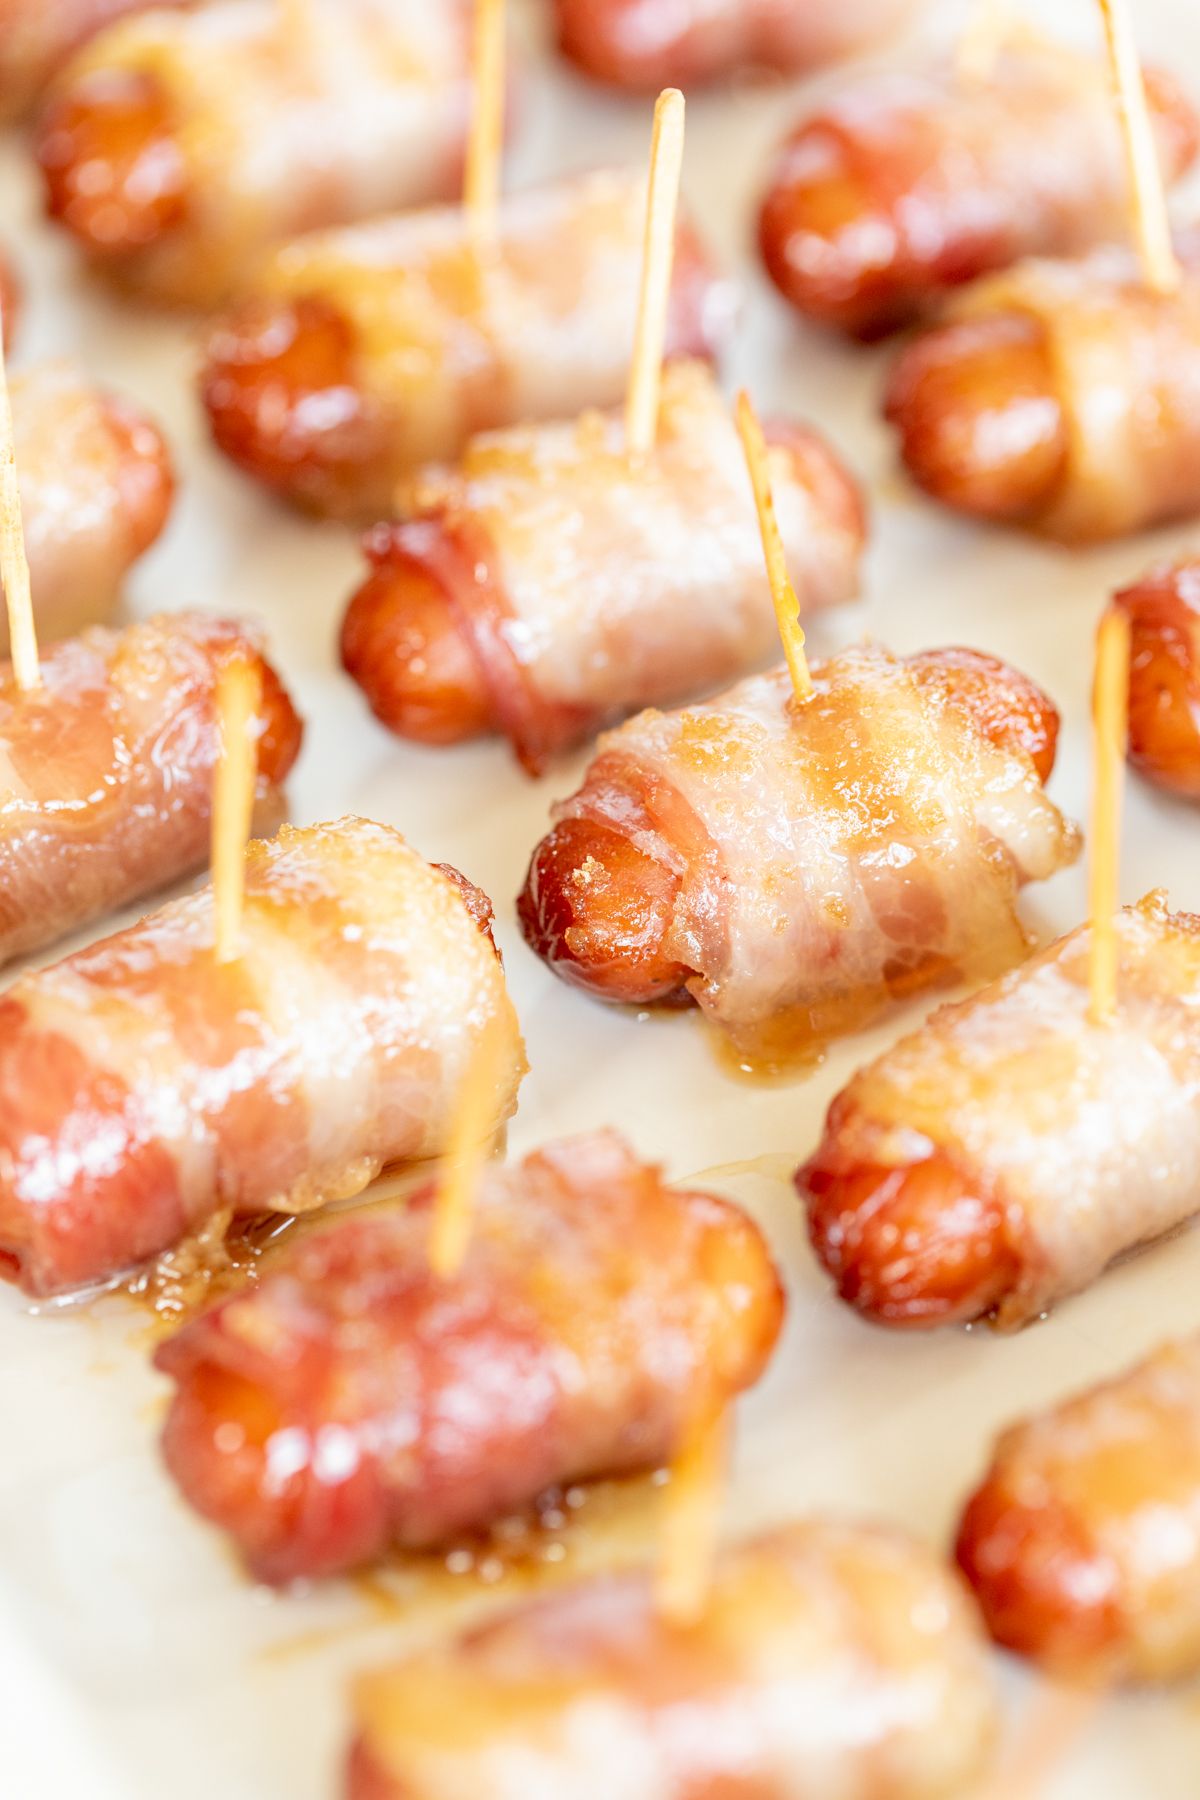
[(790, 867), (1082, 1542), (108, 769), (96, 487), (37, 36), (999, 1158), (146, 1088), (596, 1309), (1063, 397), (548, 584), (364, 352), (651, 44), (1164, 676), (904, 186), (833, 1660), (178, 146)]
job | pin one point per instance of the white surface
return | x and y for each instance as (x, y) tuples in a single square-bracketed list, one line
[(135, 1660)]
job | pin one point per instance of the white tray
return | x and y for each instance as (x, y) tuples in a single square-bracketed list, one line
[(136, 1661)]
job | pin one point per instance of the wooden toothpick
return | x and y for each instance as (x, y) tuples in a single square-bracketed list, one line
[(691, 1521), (787, 606), (1148, 196), (14, 564), (239, 694), (1110, 724), (468, 1148), (485, 142), (658, 258)]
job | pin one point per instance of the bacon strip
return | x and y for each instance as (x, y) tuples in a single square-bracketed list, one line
[(587, 585), (869, 842), (595, 1310), (178, 145), (1083, 1540), (145, 1088), (999, 1158), (96, 486), (108, 769), (833, 1660), (904, 186), (364, 352), (649, 44), (39, 35)]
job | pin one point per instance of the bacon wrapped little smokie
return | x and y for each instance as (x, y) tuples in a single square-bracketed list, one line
[(998, 1159), (904, 186), (37, 37), (109, 769), (96, 487), (1082, 1542), (1063, 397), (596, 1311), (178, 146), (146, 1088), (832, 1660), (358, 354), (650, 44), (791, 865), (551, 583), (1164, 675)]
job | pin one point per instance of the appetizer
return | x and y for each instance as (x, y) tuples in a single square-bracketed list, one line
[(904, 186), (552, 582), (1164, 675), (998, 1159), (360, 353), (1060, 396), (109, 768), (1082, 1542), (595, 1309), (833, 1660), (96, 487), (148, 1091), (650, 44), (790, 866), (37, 36), (178, 145)]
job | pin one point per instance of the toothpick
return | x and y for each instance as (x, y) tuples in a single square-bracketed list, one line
[(485, 143), (692, 1513), (239, 692), (1110, 716), (467, 1150), (983, 37), (14, 564), (658, 258), (1148, 196), (787, 606)]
